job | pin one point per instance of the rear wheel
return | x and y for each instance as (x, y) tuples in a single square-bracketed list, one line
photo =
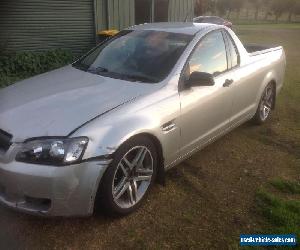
[(129, 177), (266, 104)]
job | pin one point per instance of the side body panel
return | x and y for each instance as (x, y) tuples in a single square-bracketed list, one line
[(251, 78), (205, 112)]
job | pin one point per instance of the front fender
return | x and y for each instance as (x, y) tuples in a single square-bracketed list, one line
[(105, 139), (108, 132)]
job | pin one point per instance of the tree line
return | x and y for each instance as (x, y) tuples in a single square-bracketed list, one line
[(262, 8)]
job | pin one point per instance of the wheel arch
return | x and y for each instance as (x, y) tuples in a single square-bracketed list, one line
[(160, 178), (270, 78), (161, 163), (273, 82), (161, 166)]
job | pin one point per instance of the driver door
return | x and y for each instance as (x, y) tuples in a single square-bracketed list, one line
[(205, 110)]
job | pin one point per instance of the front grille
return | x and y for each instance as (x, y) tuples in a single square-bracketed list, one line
[(5, 140)]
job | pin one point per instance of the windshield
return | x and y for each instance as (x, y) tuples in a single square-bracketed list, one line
[(139, 55)]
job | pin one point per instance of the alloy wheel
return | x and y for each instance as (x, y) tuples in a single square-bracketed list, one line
[(266, 102), (132, 177)]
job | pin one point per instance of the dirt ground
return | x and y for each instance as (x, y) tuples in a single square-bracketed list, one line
[(208, 200)]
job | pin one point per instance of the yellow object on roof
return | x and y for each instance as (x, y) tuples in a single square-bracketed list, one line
[(108, 32)]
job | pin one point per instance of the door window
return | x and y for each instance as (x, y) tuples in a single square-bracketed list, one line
[(209, 55)]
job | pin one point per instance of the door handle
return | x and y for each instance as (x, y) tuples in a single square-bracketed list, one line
[(227, 83)]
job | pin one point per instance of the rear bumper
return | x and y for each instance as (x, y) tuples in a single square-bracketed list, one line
[(51, 191)]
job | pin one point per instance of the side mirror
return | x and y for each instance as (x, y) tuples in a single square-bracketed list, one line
[(200, 79)]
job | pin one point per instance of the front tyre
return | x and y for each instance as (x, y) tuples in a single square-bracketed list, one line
[(128, 179), (266, 104)]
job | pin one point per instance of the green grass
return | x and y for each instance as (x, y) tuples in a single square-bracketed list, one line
[(286, 186), (280, 216), (283, 216)]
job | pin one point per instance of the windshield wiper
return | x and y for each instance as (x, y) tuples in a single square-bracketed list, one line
[(80, 65), (138, 78), (133, 78), (97, 70)]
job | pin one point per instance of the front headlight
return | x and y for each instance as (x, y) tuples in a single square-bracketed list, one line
[(53, 151)]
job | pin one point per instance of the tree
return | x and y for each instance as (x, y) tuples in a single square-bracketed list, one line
[(257, 5), (222, 7), (199, 8), (248, 6), (267, 7), (278, 7), (227, 6), (292, 7), (297, 8), (237, 6), (210, 5), (203, 6)]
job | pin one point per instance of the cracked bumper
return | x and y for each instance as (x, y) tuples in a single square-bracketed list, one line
[(51, 191)]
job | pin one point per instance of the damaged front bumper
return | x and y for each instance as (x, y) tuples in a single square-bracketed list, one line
[(48, 190)]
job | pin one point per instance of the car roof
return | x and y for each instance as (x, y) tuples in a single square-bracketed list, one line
[(188, 28)]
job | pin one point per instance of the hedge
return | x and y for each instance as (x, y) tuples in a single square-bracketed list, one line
[(24, 64)]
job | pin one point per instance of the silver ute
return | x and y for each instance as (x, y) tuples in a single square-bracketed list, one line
[(99, 132)]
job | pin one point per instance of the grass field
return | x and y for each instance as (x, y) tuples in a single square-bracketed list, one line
[(246, 182)]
